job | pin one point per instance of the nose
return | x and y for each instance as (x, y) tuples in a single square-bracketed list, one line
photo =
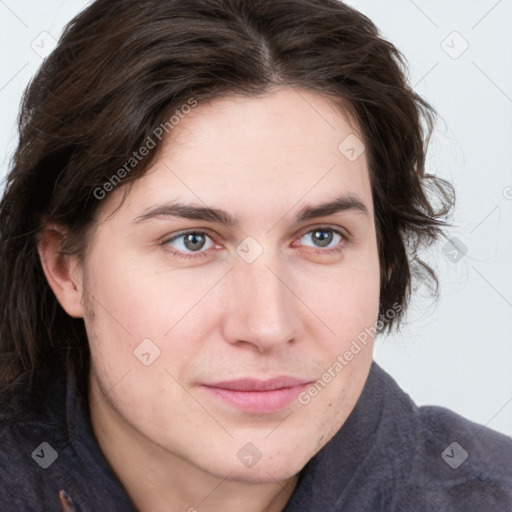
[(263, 310)]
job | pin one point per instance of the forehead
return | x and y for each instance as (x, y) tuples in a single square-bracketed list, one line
[(260, 154)]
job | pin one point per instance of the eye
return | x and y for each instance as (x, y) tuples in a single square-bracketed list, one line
[(322, 238), (189, 242)]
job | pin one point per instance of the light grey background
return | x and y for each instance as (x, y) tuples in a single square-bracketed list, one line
[(457, 353)]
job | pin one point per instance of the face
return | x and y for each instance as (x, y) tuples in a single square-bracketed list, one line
[(247, 251)]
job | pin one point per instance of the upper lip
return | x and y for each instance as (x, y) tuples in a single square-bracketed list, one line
[(251, 384)]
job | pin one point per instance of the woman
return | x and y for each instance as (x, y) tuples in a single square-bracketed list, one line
[(213, 209)]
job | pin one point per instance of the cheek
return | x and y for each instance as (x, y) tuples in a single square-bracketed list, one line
[(346, 300), (145, 300), (161, 312)]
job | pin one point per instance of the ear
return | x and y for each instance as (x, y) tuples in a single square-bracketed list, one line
[(62, 271)]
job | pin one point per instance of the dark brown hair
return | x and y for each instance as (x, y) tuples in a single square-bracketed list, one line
[(122, 67)]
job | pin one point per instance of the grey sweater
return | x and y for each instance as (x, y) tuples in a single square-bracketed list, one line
[(390, 455)]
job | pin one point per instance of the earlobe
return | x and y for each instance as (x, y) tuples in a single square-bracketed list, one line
[(62, 271)]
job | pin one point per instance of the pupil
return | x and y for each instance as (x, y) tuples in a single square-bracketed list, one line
[(322, 238), (194, 241)]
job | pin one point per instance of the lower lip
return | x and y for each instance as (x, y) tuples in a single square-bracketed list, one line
[(257, 401)]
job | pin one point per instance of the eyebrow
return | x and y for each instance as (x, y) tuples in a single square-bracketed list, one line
[(347, 202)]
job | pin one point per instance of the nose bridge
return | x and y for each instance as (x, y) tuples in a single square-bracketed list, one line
[(267, 289), (262, 306)]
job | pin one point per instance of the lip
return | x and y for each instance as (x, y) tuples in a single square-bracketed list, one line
[(257, 396)]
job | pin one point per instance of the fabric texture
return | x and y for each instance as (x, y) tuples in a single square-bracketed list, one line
[(389, 456)]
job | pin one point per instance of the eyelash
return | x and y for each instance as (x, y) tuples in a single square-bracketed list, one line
[(203, 254)]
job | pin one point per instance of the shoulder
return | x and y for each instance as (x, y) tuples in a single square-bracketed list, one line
[(460, 465), (47, 447), (486, 449), (431, 458), (33, 437)]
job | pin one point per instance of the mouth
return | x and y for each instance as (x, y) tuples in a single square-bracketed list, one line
[(257, 396)]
